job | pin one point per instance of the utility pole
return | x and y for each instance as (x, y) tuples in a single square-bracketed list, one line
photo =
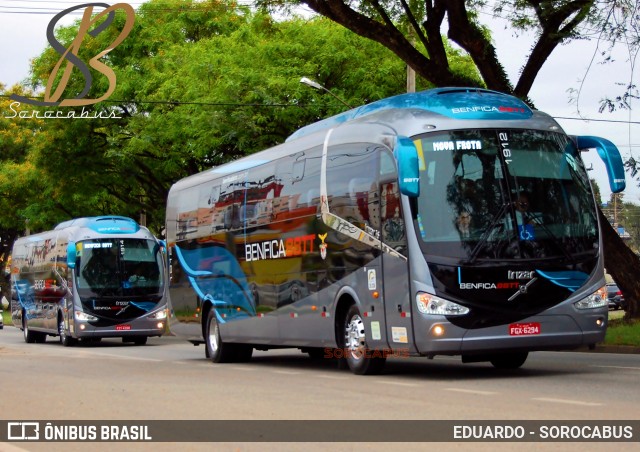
[(411, 80)]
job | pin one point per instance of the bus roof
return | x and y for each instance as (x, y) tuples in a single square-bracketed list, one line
[(455, 103), (402, 114), (104, 224)]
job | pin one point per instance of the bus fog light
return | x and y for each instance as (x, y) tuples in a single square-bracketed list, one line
[(437, 330), (598, 299), (432, 305)]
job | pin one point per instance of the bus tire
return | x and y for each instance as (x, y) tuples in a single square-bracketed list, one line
[(243, 353), (354, 345), (140, 340), (29, 336), (218, 351), (509, 360), (316, 353), (65, 339)]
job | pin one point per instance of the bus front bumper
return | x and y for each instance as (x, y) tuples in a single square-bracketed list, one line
[(138, 327), (552, 332)]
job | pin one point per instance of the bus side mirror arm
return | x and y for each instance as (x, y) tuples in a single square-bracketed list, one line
[(406, 155), (610, 155), (71, 255)]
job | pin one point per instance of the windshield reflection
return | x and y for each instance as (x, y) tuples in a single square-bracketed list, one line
[(119, 267), (503, 194)]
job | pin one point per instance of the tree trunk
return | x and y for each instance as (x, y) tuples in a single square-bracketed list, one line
[(623, 265)]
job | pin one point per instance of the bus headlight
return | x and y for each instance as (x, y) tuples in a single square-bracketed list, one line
[(84, 317), (598, 299), (432, 305), (162, 314)]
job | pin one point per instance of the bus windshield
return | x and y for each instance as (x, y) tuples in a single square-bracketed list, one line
[(119, 267), (503, 195)]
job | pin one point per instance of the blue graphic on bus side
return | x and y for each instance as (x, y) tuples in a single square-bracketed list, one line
[(226, 290), (568, 279)]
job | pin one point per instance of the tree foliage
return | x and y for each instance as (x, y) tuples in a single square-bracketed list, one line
[(198, 84)]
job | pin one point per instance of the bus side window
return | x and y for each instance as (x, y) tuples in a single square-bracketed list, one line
[(392, 224), (353, 198)]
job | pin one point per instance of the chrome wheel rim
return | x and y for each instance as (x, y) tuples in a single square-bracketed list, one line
[(354, 338), (213, 338), (61, 331)]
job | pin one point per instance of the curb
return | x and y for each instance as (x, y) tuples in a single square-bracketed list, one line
[(625, 349)]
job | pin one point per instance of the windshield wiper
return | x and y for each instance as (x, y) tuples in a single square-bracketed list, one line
[(497, 218)]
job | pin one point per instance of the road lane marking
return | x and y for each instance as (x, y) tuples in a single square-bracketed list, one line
[(567, 401), (109, 355), (333, 377), (396, 383), (286, 372), (617, 367), (471, 391)]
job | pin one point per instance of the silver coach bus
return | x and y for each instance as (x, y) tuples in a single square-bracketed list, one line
[(88, 279), (447, 222)]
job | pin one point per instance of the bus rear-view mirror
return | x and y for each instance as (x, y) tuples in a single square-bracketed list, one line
[(610, 155)]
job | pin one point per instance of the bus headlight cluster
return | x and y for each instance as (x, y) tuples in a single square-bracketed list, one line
[(598, 299), (162, 314), (84, 317), (430, 304)]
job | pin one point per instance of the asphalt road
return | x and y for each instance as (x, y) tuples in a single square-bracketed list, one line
[(169, 379)]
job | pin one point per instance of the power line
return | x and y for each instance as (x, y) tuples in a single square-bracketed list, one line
[(237, 104), (596, 120), (194, 7), (170, 102)]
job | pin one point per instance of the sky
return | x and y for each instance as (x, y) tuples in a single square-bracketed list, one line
[(23, 25)]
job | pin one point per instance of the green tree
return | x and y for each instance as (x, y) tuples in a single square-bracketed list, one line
[(198, 84), (18, 176), (413, 31)]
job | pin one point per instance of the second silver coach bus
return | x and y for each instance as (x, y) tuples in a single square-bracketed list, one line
[(89, 278), (447, 222)]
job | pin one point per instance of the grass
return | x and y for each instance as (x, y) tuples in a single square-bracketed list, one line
[(621, 332), (6, 317)]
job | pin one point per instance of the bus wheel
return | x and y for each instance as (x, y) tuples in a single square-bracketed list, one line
[(65, 340), (29, 336), (140, 340), (356, 353), (316, 353), (218, 351), (243, 353), (509, 360)]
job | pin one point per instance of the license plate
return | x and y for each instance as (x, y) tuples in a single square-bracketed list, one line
[(123, 327), (524, 329)]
